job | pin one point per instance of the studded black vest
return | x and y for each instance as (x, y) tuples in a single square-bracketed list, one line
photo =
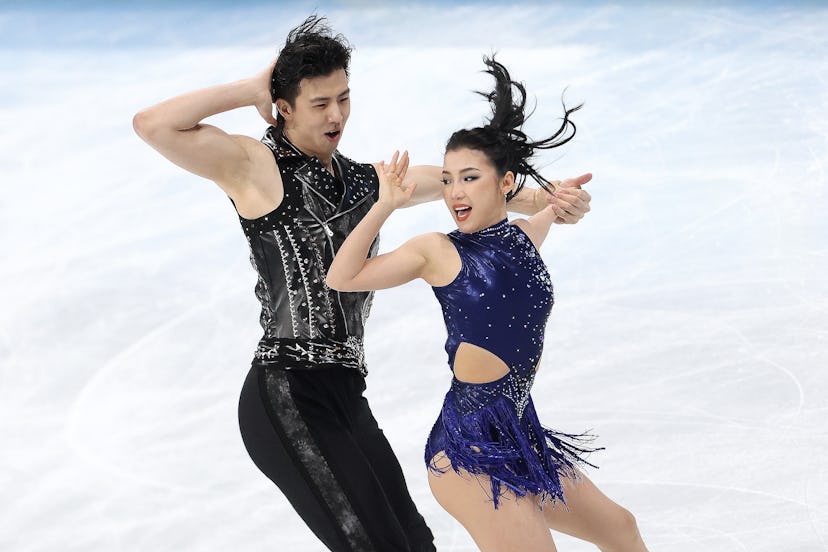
[(306, 324)]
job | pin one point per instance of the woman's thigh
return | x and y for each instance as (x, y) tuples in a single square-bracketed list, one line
[(590, 515), (516, 525)]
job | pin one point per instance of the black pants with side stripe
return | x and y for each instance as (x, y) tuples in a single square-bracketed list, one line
[(312, 433)]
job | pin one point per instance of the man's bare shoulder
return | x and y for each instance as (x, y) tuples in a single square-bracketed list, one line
[(257, 189), (256, 150)]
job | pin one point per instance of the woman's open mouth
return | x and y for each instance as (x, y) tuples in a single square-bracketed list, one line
[(462, 212)]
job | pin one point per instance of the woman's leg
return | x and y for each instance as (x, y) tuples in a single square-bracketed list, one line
[(590, 515), (516, 525)]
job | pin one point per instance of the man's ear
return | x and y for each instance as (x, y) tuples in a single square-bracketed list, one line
[(284, 108)]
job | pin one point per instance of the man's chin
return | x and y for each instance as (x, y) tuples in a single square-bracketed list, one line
[(332, 141)]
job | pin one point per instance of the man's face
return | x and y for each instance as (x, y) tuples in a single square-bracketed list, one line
[(317, 118)]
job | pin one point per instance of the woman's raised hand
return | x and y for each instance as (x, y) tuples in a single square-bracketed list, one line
[(392, 192)]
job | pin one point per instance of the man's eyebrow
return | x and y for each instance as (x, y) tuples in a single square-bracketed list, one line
[(326, 98)]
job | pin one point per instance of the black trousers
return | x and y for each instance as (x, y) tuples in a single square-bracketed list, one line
[(312, 433)]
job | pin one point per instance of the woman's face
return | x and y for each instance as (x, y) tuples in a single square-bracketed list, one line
[(474, 195)]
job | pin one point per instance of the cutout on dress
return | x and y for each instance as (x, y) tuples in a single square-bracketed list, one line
[(473, 364)]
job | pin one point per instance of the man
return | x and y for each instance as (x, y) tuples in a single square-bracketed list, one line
[(302, 414)]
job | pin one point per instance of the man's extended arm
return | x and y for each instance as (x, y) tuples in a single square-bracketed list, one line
[(429, 180), (570, 203)]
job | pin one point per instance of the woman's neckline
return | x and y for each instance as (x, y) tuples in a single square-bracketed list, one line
[(495, 228)]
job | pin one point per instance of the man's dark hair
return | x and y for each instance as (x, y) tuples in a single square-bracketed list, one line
[(311, 50)]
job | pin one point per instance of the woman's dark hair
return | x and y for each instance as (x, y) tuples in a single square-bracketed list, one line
[(502, 139), (311, 50)]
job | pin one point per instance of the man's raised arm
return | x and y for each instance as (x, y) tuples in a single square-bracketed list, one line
[(173, 127)]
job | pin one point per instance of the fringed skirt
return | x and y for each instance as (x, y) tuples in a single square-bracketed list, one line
[(492, 429)]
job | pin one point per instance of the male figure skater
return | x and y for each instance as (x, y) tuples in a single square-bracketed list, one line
[(302, 414)]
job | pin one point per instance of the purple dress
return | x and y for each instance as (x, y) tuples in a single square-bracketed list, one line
[(500, 301)]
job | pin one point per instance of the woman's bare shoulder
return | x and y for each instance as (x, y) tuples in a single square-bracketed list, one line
[(432, 241)]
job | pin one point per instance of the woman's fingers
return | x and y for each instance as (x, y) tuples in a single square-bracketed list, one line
[(392, 165), (393, 173), (558, 212), (397, 167), (403, 166)]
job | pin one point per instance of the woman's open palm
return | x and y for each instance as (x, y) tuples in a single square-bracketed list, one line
[(392, 192)]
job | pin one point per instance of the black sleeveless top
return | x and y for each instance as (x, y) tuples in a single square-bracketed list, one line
[(306, 324)]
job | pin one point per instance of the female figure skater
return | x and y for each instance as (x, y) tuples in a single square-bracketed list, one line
[(490, 463)]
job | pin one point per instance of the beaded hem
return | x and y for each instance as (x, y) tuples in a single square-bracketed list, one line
[(516, 453)]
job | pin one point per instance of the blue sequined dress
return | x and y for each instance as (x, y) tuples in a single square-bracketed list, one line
[(500, 301)]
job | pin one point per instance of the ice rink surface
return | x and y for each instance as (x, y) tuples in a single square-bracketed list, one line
[(691, 325)]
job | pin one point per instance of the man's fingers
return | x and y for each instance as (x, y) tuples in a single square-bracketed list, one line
[(577, 181), (554, 185), (578, 201), (569, 212), (583, 194), (267, 113), (564, 204), (563, 217)]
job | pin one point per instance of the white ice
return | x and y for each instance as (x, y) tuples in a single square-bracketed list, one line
[(691, 325)]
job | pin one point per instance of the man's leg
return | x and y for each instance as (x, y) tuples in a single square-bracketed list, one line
[(388, 471), (308, 414), (266, 446)]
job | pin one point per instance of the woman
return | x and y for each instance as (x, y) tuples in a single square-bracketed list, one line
[(491, 464)]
